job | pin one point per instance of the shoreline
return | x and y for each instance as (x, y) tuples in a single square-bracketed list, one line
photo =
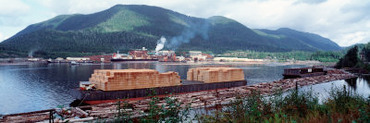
[(234, 63), (199, 99)]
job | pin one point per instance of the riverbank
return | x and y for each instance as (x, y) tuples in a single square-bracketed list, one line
[(249, 62), (195, 100)]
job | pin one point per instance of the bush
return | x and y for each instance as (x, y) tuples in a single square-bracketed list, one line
[(342, 106)]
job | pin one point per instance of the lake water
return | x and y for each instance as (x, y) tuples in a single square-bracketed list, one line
[(32, 87), (359, 86)]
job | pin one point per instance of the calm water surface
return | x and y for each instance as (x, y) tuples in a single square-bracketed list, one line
[(360, 86), (32, 87)]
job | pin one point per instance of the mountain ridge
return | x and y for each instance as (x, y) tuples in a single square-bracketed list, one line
[(125, 27)]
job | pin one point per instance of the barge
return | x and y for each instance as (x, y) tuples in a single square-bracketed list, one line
[(110, 85), (303, 72), (99, 96)]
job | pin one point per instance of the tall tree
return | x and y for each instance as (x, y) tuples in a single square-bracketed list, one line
[(366, 51), (350, 59)]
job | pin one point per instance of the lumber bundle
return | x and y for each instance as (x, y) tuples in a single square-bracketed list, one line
[(126, 79), (215, 74)]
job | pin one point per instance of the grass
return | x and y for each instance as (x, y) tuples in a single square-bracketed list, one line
[(294, 106), (342, 106), (170, 112)]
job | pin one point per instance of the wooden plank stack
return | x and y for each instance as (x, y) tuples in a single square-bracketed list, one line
[(126, 79), (215, 74)]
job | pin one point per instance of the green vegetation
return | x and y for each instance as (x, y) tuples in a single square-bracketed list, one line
[(268, 35), (366, 52), (296, 40), (126, 20), (322, 56), (352, 59), (329, 56), (127, 27), (341, 106), (171, 112), (59, 44), (220, 20)]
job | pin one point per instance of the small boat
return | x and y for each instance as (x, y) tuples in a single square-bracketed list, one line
[(74, 63), (303, 72)]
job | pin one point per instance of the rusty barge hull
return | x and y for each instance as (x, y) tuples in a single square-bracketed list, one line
[(287, 76), (94, 96), (303, 72)]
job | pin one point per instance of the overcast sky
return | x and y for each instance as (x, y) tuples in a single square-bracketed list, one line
[(346, 22)]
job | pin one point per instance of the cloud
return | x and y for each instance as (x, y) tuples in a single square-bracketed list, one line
[(77, 6), (1, 37), (310, 1), (333, 19), (338, 20), (9, 8), (356, 37)]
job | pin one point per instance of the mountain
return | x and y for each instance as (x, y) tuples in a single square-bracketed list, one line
[(126, 27), (301, 39)]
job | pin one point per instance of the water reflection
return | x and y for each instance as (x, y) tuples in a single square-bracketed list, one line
[(33, 87), (359, 86), (367, 79), (352, 83)]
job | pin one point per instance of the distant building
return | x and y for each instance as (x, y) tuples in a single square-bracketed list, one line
[(166, 56), (77, 58), (180, 58), (33, 59), (165, 53), (197, 56), (195, 53), (59, 59), (208, 56)]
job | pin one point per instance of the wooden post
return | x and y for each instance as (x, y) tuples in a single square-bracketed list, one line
[(296, 85), (51, 116)]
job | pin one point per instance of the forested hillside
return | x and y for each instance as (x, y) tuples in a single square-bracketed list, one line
[(127, 27)]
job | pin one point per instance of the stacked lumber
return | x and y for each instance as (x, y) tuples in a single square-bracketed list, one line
[(126, 79), (215, 74)]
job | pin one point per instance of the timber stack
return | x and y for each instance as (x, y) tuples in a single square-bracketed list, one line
[(215, 74), (111, 84), (112, 80)]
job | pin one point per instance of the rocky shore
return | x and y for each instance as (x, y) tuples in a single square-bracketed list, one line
[(139, 106)]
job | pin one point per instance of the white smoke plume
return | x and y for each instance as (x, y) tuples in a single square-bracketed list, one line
[(31, 52), (195, 28), (160, 44)]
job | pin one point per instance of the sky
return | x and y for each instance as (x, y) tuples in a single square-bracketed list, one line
[(345, 22)]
